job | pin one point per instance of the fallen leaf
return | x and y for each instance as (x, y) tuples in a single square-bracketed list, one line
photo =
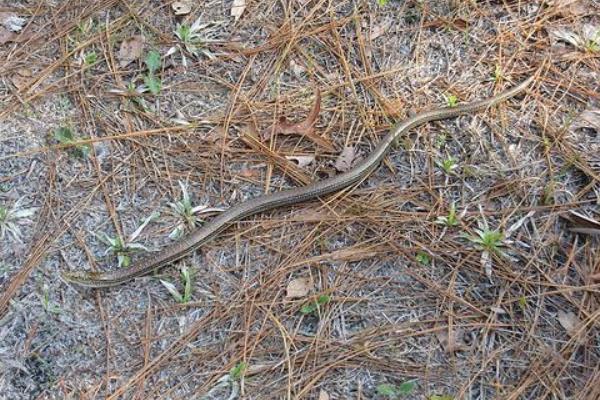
[(302, 161), (305, 128), (21, 78), (299, 287), (571, 323), (248, 173), (344, 161), (569, 7), (587, 119), (588, 35), (237, 8), (379, 30), (581, 223), (181, 7), (297, 69), (449, 340), (11, 21), (323, 395), (130, 50)]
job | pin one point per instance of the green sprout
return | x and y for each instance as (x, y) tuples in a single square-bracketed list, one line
[(451, 100), (498, 73), (592, 44), (46, 303), (451, 219), (90, 58), (152, 61), (423, 258), (123, 248), (65, 136), (238, 371), (448, 165), (186, 280), (488, 240), (187, 212), (315, 305), (11, 218), (395, 391)]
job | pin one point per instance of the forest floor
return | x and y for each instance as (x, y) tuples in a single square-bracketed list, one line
[(465, 267)]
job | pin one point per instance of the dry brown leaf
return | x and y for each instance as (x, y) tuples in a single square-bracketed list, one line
[(588, 119), (181, 7), (302, 161), (130, 50), (581, 223), (378, 30), (249, 173), (237, 8), (299, 287), (344, 161), (323, 395), (21, 78), (305, 128), (451, 340)]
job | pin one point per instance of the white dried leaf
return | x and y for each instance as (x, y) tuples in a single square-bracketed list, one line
[(298, 288), (181, 7), (237, 8), (572, 324), (588, 119), (302, 161), (514, 227), (12, 21), (345, 159), (323, 395)]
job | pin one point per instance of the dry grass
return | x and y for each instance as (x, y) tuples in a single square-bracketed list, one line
[(406, 298)]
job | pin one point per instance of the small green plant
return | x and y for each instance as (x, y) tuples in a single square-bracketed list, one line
[(592, 44), (65, 136), (488, 240), (90, 58), (382, 2), (186, 280), (422, 258), (448, 165), (451, 100), (451, 219), (498, 73), (11, 218), (194, 39), (440, 140), (187, 212), (441, 397), (523, 303), (124, 248), (152, 61), (238, 371), (314, 305), (396, 391), (46, 303)]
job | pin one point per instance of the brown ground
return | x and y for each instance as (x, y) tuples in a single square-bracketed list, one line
[(403, 297)]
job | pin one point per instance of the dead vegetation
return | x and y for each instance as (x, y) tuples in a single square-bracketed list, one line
[(466, 266)]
